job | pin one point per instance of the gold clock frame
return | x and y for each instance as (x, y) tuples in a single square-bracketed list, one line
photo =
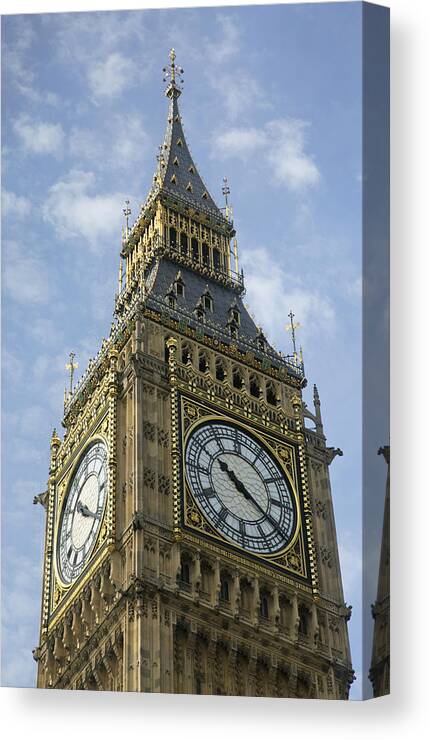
[(191, 525), (65, 486)]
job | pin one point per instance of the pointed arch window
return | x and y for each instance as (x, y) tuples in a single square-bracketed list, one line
[(207, 300), (179, 142), (184, 243), (189, 187), (271, 394), (263, 609), (186, 353), (220, 369), (176, 161), (206, 254), (195, 249), (216, 258), (304, 619), (173, 179), (254, 386), (200, 314), (171, 297), (179, 285), (191, 169), (234, 314), (185, 571), (203, 363), (224, 588), (237, 378), (205, 195), (173, 237)]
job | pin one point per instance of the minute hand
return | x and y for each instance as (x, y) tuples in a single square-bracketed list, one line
[(83, 509), (242, 489)]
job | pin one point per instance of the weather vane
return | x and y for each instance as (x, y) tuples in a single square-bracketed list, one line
[(173, 71), (71, 367), (292, 327)]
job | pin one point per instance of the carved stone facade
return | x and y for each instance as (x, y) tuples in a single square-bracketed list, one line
[(163, 605)]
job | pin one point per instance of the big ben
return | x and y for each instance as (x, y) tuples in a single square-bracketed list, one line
[(190, 542)]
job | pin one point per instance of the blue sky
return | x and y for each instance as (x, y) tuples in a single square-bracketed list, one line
[(272, 100)]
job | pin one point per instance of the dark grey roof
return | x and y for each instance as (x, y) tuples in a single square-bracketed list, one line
[(176, 163), (160, 280)]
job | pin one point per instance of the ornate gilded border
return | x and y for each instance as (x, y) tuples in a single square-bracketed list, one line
[(302, 567)]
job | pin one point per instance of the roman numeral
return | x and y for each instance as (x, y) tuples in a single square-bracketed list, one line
[(223, 513)]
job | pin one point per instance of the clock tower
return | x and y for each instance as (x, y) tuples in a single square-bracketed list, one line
[(190, 540)]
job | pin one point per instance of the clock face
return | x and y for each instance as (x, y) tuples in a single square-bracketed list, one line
[(82, 513), (240, 488)]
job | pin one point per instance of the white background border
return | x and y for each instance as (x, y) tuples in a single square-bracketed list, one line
[(68, 714)]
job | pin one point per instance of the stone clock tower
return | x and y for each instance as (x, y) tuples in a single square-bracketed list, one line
[(190, 538)]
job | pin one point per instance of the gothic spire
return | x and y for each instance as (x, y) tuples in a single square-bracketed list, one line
[(177, 174)]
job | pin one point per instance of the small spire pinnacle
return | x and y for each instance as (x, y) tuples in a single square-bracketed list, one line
[(127, 213), (173, 74), (120, 276), (225, 192), (316, 402), (71, 367), (292, 327), (235, 256)]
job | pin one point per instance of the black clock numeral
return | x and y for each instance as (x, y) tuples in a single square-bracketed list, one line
[(222, 514)]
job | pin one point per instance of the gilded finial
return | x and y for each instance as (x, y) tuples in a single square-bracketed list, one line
[(173, 74)]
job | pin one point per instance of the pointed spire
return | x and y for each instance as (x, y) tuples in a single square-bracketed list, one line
[(177, 174), (316, 401)]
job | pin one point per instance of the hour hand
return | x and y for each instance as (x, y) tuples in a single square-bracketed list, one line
[(83, 509), (232, 476)]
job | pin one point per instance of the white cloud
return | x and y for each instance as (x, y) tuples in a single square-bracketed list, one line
[(272, 292), (26, 279), (120, 144), (39, 137), (19, 63), (44, 331), (280, 144), (227, 44), (15, 206), (291, 164), (240, 142), (21, 614), (108, 78), (76, 213), (238, 92)]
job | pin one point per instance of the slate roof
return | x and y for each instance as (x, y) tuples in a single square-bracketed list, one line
[(159, 281), (177, 174)]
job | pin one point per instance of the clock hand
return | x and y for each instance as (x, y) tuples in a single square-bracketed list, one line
[(242, 489), (238, 484), (83, 509)]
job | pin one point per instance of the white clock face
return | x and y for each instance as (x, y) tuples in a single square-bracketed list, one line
[(82, 513), (240, 488)]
